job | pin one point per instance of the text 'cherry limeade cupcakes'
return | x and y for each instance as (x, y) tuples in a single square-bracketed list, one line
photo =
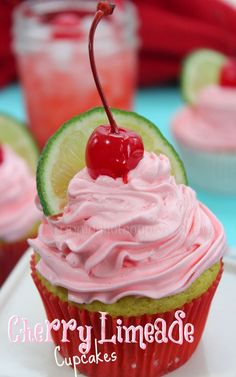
[(124, 242), (205, 130), (19, 216)]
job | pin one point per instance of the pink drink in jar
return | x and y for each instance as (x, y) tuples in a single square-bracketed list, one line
[(51, 44)]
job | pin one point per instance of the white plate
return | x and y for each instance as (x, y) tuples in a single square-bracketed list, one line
[(215, 356)]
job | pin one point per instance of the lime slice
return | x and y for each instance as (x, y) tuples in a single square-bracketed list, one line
[(64, 154), (200, 69), (17, 136)]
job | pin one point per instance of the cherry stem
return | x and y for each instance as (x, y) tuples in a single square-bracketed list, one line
[(103, 9)]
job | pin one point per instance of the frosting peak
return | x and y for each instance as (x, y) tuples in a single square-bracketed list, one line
[(210, 124), (17, 194), (149, 237), (106, 203)]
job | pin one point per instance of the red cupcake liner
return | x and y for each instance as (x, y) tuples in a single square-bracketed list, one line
[(9, 255), (131, 361)]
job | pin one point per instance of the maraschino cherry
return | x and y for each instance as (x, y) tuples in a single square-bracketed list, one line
[(1, 154), (228, 74), (66, 26), (111, 150)]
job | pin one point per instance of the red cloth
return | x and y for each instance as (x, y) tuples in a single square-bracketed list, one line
[(170, 29), (7, 62)]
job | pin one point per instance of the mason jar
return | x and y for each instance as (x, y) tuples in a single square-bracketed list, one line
[(50, 40)]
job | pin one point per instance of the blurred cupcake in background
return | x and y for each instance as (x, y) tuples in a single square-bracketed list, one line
[(205, 129), (19, 217)]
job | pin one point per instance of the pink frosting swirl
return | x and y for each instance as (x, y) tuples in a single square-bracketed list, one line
[(18, 212), (211, 123), (149, 237)]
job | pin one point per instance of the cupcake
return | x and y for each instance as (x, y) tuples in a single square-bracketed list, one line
[(19, 216), (125, 251), (205, 130), (139, 251)]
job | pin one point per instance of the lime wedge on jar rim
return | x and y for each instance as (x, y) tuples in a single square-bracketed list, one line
[(64, 154), (15, 134), (200, 69)]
